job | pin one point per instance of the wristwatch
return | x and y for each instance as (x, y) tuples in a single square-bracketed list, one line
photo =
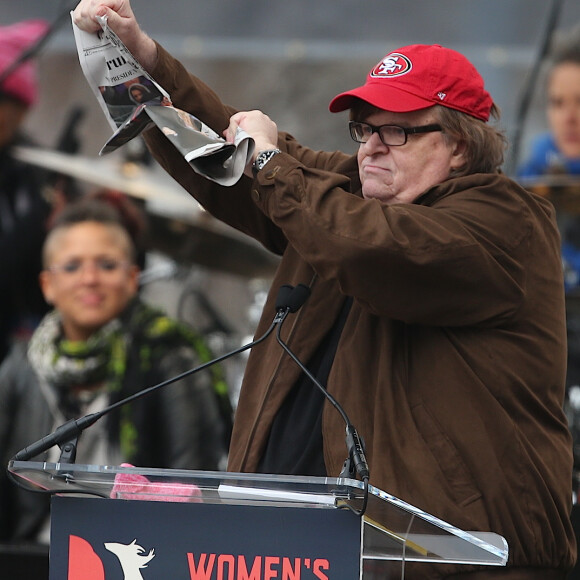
[(263, 158)]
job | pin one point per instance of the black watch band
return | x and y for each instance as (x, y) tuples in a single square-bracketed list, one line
[(262, 158)]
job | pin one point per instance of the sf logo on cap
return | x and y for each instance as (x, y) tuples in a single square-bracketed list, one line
[(393, 65)]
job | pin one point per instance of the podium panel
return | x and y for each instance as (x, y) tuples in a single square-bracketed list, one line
[(200, 541), (390, 533)]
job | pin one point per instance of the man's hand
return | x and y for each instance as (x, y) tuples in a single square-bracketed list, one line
[(122, 21), (259, 126)]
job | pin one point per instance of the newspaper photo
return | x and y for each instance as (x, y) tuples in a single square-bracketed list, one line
[(133, 102)]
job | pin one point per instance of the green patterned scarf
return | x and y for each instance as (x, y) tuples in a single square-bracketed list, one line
[(102, 359)]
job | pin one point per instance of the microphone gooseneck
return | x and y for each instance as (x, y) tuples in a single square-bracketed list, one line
[(290, 300)]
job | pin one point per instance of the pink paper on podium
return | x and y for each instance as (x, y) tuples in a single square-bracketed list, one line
[(139, 487)]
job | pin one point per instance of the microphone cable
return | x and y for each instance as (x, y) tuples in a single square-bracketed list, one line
[(294, 298)]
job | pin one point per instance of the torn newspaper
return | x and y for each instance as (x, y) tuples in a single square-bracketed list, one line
[(132, 102)]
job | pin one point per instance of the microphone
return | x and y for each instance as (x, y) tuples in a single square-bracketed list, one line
[(290, 299), (66, 435)]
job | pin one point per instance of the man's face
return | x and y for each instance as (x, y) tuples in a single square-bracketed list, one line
[(564, 108), (89, 278), (400, 174)]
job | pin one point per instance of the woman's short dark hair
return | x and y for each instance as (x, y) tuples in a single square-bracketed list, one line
[(566, 48), (88, 210)]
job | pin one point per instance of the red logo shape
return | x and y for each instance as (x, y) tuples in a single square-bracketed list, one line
[(393, 65), (83, 562)]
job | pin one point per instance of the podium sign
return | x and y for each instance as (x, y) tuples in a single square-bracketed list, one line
[(96, 539)]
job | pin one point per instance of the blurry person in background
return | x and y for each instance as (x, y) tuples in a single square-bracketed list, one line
[(100, 344), (556, 154), (23, 207), (554, 162), (558, 150)]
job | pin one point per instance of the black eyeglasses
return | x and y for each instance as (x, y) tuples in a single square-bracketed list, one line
[(390, 135)]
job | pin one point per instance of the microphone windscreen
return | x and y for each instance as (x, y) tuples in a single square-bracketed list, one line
[(283, 297), (298, 297)]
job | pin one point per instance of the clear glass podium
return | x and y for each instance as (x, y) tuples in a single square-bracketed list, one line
[(392, 531)]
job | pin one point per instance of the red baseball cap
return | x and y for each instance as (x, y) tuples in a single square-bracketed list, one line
[(419, 76)]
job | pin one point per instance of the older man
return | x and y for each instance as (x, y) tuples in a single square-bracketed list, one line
[(436, 315)]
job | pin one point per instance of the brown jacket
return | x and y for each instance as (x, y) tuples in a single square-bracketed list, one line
[(452, 361)]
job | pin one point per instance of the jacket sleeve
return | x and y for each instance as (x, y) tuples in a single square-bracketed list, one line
[(23, 420), (460, 258), (192, 429)]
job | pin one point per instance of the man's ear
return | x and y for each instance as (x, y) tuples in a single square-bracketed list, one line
[(458, 158)]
